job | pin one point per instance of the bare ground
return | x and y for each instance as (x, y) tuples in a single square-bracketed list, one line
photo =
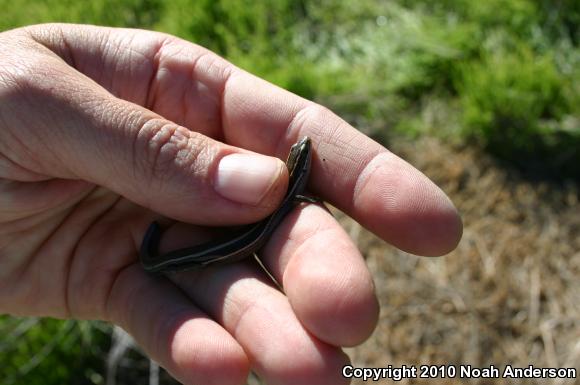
[(509, 293)]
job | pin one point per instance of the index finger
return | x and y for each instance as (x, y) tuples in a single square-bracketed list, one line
[(356, 174), (196, 88)]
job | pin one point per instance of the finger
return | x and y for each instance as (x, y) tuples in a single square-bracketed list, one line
[(151, 69), (70, 127), (173, 332), (310, 253), (260, 318), (324, 277), (377, 188)]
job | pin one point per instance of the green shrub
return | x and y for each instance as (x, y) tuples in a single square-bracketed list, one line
[(121, 13), (523, 108), (512, 96), (40, 351), (257, 36)]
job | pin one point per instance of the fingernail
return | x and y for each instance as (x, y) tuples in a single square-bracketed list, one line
[(246, 178)]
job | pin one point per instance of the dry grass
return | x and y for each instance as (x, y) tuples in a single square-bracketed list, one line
[(509, 294)]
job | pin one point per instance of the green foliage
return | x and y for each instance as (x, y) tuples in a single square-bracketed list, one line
[(520, 105), (258, 36), (40, 351), (510, 65), (230, 27), (512, 95), (120, 13)]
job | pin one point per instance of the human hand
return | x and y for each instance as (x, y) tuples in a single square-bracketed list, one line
[(101, 129)]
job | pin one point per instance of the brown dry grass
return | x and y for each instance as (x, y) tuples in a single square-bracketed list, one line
[(510, 292)]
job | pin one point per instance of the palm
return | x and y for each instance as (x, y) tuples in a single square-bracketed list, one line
[(58, 248), (76, 234)]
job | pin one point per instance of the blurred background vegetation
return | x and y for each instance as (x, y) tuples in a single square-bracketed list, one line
[(502, 75)]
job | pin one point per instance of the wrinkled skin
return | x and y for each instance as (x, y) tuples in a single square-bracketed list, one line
[(103, 130)]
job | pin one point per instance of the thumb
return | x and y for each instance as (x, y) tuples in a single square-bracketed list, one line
[(70, 127), (186, 175)]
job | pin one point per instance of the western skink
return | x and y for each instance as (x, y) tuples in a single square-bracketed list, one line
[(242, 244)]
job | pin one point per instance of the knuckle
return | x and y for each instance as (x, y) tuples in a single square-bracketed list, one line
[(170, 151), (312, 117)]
